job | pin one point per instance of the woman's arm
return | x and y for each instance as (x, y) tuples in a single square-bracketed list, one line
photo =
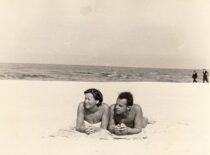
[(105, 117), (111, 120), (80, 118)]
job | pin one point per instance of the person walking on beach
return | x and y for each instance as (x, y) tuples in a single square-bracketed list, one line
[(125, 116), (92, 113), (205, 76), (195, 76)]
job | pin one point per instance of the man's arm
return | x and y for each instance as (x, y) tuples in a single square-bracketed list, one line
[(80, 118), (138, 121), (111, 119), (105, 117)]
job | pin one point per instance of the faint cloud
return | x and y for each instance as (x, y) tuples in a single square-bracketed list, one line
[(86, 10)]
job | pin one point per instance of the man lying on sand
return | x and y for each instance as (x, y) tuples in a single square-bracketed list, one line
[(92, 113), (125, 117)]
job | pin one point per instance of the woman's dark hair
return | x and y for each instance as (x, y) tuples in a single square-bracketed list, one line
[(96, 94), (128, 96)]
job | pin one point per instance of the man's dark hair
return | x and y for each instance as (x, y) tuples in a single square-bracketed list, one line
[(96, 94), (128, 96)]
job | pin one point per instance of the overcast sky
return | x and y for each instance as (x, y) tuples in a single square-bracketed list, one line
[(144, 33)]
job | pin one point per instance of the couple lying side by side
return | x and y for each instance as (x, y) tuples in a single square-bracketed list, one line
[(122, 118)]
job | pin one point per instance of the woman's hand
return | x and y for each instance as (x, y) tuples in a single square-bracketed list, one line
[(90, 129)]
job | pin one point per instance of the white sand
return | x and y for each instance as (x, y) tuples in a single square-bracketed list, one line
[(31, 110)]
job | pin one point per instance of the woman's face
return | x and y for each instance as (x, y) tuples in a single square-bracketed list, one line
[(89, 101)]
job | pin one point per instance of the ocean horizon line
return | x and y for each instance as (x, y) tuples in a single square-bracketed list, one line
[(165, 68)]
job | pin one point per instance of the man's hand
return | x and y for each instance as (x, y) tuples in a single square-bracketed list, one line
[(89, 130), (117, 129), (121, 129)]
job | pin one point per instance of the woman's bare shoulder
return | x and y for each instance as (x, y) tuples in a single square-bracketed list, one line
[(105, 105)]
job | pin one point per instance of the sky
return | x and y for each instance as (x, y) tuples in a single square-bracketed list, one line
[(139, 33)]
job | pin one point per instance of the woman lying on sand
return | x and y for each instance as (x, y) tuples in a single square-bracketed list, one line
[(92, 113)]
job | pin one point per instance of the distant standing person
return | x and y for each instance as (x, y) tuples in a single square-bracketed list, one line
[(205, 76), (195, 76)]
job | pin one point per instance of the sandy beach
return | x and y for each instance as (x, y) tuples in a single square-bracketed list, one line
[(32, 110)]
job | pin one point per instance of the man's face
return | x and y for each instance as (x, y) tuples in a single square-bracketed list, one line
[(121, 106), (89, 101)]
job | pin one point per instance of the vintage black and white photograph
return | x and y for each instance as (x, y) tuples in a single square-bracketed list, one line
[(93, 77)]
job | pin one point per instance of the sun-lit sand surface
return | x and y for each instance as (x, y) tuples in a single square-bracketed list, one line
[(32, 110)]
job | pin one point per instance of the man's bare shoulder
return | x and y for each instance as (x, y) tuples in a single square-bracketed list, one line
[(136, 108)]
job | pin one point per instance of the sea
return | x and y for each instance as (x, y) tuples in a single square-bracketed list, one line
[(57, 72)]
